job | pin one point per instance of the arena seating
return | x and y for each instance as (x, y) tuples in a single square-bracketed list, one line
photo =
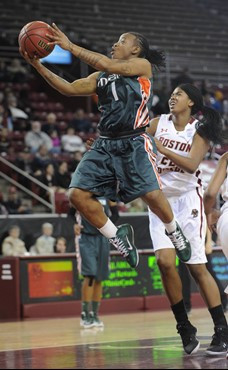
[(193, 33)]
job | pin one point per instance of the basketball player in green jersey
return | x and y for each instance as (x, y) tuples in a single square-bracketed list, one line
[(121, 162)]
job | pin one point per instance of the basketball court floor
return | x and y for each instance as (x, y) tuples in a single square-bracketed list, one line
[(128, 341)]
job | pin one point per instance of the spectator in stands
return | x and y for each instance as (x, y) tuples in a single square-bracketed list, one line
[(71, 142), (63, 177), (75, 161), (16, 112), (56, 142), (4, 140), (13, 245), (60, 246), (24, 162), (51, 124), (14, 205), (45, 243), (80, 122), (41, 160), (17, 72), (182, 78), (48, 179), (35, 138)]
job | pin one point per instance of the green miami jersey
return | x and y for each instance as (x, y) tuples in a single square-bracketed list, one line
[(124, 102)]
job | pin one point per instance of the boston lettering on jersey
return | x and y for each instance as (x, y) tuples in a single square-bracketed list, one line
[(177, 145), (124, 102)]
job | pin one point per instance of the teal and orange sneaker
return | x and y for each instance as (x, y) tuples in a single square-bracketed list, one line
[(124, 243), (181, 244)]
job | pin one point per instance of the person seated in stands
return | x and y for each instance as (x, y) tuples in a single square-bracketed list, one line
[(17, 72), (51, 124), (4, 140), (41, 160), (56, 142), (35, 138), (63, 177), (71, 142), (16, 112), (24, 162), (80, 123), (48, 178), (13, 245), (14, 205), (60, 246), (45, 243), (77, 156)]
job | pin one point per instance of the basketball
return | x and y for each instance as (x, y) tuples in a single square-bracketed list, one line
[(33, 40)]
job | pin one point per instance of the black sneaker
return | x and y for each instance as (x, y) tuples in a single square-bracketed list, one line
[(181, 244), (188, 336), (219, 344), (124, 243)]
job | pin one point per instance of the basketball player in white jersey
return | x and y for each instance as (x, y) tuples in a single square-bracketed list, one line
[(219, 179), (182, 142)]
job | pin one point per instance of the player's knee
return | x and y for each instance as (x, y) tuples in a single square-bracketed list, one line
[(199, 273), (165, 266)]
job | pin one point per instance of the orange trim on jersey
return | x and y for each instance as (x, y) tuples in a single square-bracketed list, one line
[(148, 144), (142, 115)]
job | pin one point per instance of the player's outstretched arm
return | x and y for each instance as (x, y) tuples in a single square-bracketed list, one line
[(83, 86), (100, 62)]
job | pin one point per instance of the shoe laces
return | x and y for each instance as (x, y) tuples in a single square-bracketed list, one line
[(178, 240), (120, 246)]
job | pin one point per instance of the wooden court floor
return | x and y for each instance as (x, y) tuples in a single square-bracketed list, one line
[(129, 341)]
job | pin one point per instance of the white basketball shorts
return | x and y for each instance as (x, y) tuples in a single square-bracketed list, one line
[(188, 210)]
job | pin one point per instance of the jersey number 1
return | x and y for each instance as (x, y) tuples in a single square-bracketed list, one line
[(114, 92)]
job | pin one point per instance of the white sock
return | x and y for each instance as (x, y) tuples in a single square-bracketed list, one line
[(171, 227), (109, 230)]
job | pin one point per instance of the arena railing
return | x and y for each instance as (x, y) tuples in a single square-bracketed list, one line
[(50, 205)]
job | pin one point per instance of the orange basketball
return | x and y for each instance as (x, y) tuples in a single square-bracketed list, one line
[(33, 39)]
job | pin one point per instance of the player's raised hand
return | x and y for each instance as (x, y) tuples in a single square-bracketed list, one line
[(33, 61), (58, 38)]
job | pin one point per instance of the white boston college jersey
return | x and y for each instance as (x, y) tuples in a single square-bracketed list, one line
[(175, 181)]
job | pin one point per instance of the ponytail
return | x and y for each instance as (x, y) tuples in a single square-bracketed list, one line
[(209, 124), (154, 56)]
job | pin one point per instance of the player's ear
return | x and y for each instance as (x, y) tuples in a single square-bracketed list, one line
[(136, 50), (190, 103)]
